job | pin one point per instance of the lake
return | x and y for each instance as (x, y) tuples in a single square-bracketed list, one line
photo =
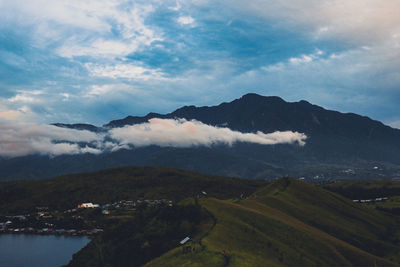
[(38, 250)]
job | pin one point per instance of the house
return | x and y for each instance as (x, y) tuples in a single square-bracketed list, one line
[(186, 239), (88, 206), (187, 245)]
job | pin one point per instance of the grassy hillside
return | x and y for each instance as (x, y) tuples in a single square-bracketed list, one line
[(292, 223), (110, 185)]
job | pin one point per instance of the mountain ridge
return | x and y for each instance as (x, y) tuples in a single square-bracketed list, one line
[(338, 146), (253, 112), (247, 99)]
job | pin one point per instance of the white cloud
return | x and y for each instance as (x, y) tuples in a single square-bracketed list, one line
[(17, 139), (125, 71), (26, 97), (359, 21), (130, 24), (395, 124), (48, 14), (112, 90), (84, 28), (16, 111), (303, 59), (15, 115), (177, 7), (97, 48), (185, 20), (20, 139), (183, 133)]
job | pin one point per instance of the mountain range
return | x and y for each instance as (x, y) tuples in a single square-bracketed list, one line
[(338, 145)]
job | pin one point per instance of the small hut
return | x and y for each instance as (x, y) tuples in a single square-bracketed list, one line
[(187, 245)]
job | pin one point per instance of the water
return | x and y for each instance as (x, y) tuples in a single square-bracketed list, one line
[(19, 250)]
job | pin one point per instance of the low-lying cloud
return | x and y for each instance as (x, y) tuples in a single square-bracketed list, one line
[(26, 139), (23, 139), (183, 133)]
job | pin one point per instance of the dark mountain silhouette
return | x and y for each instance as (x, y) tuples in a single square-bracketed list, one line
[(338, 144), (79, 126)]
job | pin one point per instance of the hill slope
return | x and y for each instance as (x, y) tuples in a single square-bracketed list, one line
[(291, 223)]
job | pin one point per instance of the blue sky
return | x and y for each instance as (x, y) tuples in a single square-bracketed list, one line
[(94, 61)]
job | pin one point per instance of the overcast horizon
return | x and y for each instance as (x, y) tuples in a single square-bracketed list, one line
[(95, 61)]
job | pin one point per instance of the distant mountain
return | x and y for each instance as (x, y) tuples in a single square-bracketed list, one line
[(79, 126), (338, 146), (331, 133)]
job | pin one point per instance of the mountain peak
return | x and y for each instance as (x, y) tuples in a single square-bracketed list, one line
[(248, 95), (304, 102), (254, 96)]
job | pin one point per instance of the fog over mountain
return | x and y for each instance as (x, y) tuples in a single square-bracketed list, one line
[(26, 139), (254, 137)]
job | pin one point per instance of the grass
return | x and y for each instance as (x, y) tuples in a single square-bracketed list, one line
[(290, 223)]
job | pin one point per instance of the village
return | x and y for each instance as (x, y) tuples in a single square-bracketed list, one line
[(378, 199), (86, 219)]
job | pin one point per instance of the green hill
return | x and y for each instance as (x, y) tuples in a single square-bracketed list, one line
[(292, 223)]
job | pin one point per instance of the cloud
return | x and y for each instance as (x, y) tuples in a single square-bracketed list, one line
[(17, 111), (302, 59), (185, 20), (111, 91), (395, 124), (357, 21), (17, 139), (177, 7), (84, 28), (14, 115), (25, 97), (183, 133), (125, 71)]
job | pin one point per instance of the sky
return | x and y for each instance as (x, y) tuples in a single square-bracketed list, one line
[(94, 61)]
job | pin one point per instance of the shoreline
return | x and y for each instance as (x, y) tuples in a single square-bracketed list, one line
[(52, 232)]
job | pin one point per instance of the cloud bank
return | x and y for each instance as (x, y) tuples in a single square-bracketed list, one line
[(22, 139), (183, 133), (26, 139)]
